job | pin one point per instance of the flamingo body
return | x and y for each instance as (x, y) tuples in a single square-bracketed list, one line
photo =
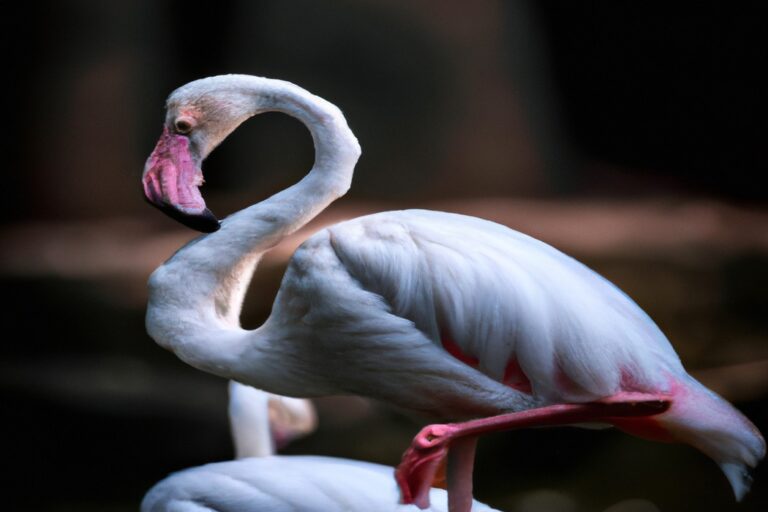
[(395, 294), (460, 301)]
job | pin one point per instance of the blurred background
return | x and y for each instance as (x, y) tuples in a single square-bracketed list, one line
[(627, 134)]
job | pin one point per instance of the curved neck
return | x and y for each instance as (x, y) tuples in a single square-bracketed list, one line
[(196, 296), (249, 421)]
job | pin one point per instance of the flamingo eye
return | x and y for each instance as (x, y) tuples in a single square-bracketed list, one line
[(183, 125)]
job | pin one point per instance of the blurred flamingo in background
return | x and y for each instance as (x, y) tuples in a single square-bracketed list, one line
[(259, 480), (262, 422), (451, 316)]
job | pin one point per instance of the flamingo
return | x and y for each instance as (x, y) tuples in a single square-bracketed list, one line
[(451, 316), (259, 480), (260, 422)]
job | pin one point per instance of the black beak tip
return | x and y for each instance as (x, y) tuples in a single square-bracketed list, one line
[(205, 221)]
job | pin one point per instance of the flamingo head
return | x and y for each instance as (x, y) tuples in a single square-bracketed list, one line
[(199, 115), (290, 418)]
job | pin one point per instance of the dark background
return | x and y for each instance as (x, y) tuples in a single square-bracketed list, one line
[(629, 134)]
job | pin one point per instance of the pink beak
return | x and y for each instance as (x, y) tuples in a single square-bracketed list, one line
[(171, 180)]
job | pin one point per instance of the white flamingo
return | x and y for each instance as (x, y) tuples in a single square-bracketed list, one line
[(260, 422), (448, 315), (261, 481)]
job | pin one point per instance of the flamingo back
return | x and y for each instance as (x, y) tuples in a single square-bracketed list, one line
[(515, 308)]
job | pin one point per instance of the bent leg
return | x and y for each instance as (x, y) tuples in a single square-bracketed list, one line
[(421, 460)]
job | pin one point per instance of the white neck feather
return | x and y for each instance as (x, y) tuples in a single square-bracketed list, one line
[(249, 421), (195, 298)]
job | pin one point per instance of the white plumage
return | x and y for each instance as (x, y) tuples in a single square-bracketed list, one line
[(452, 316), (498, 294), (293, 483), (262, 422)]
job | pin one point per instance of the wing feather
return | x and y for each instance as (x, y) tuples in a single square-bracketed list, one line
[(502, 295)]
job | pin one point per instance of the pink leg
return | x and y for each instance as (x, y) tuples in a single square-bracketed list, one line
[(461, 460), (420, 462)]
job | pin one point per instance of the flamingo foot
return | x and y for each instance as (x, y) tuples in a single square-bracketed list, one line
[(421, 462)]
